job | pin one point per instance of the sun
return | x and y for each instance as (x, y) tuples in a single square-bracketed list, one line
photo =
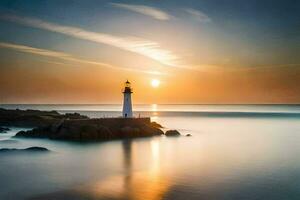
[(155, 83)]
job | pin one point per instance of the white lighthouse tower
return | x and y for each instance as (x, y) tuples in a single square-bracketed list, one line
[(127, 105)]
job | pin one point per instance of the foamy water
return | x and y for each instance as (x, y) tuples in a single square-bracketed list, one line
[(235, 155)]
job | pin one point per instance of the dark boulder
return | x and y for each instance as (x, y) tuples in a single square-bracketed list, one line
[(188, 135), (172, 133)]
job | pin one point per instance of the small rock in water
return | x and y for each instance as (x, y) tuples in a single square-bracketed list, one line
[(172, 133), (188, 135), (36, 149), (4, 129), (30, 149)]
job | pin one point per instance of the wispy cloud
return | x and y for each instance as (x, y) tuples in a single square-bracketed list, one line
[(266, 67), (198, 15), (145, 10), (140, 46), (66, 57)]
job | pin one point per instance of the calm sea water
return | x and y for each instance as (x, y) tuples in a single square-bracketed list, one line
[(235, 152)]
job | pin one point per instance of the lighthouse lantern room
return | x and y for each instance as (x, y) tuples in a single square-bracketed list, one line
[(127, 105)]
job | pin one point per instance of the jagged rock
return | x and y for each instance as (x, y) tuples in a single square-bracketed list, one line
[(75, 116), (172, 133)]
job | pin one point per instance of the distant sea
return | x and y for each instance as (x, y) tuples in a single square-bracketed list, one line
[(113, 110), (237, 152)]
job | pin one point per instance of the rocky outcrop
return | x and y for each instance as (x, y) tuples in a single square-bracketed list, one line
[(33, 118), (73, 126), (95, 129), (172, 133)]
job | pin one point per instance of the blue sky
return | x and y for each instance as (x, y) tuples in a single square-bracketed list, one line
[(155, 39)]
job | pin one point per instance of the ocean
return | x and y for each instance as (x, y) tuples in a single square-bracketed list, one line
[(248, 152)]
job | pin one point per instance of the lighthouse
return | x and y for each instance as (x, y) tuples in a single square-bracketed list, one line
[(127, 105)]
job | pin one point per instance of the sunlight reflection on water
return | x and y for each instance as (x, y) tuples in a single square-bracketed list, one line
[(226, 158)]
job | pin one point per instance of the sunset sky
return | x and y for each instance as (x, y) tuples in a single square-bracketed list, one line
[(200, 51)]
